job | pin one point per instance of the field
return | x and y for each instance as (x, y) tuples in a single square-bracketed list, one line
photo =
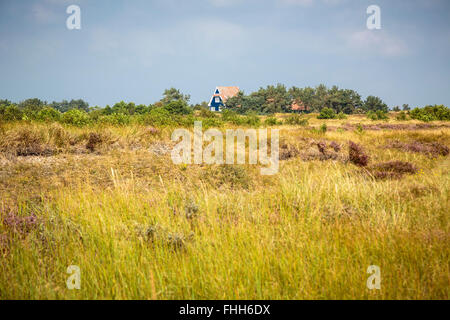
[(110, 200)]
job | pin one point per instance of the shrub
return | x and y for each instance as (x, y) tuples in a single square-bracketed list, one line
[(327, 113), (271, 121), (431, 113), (76, 117), (93, 140), (357, 155), (211, 122), (228, 115), (178, 107), (10, 113), (321, 130), (432, 149), (115, 119), (296, 120), (158, 116), (206, 113), (288, 151), (377, 115), (232, 117), (359, 129), (20, 224), (48, 114), (341, 116), (372, 115), (401, 116), (251, 120), (392, 169), (25, 141), (234, 176)]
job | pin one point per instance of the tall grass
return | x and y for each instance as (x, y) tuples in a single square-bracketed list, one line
[(140, 227)]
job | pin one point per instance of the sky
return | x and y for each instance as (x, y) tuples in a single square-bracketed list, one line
[(133, 50)]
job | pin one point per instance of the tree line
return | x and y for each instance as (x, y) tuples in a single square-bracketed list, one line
[(276, 99), (328, 102)]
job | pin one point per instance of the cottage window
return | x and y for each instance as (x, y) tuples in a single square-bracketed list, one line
[(217, 99)]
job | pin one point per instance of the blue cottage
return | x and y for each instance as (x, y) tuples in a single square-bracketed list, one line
[(220, 96)]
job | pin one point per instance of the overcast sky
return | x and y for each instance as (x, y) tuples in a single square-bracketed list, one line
[(133, 50)]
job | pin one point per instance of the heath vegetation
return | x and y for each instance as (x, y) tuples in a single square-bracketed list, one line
[(96, 190)]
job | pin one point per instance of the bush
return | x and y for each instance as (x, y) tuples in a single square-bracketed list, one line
[(10, 113), (206, 113), (377, 115), (321, 130), (93, 141), (327, 113), (341, 116), (392, 170), (158, 116), (211, 122), (229, 115), (231, 176), (431, 113), (178, 107), (115, 119), (251, 120), (296, 120), (432, 149), (232, 117), (359, 129), (76, 117), (25, 141), (48, 114), (357, 155), (401, 116), (271, 121)]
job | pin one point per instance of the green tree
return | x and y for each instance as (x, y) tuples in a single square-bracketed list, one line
[(31, 107), (65, 105), (48, 114), (142, 109), (10, 112), (373, 103), (274, 99), (107, 110), (320, 97), (327, 113), (173, 94), (343, 100), (76, 117), (178, 107), (124, 108), (305, 95)]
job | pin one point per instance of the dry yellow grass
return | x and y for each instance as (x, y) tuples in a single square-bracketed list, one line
[(141, 227)]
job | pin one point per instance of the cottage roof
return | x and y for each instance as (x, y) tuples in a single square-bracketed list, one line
[(298, 105), (227, 92)]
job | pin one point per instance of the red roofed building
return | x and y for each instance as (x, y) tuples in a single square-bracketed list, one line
[(298, 105)]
